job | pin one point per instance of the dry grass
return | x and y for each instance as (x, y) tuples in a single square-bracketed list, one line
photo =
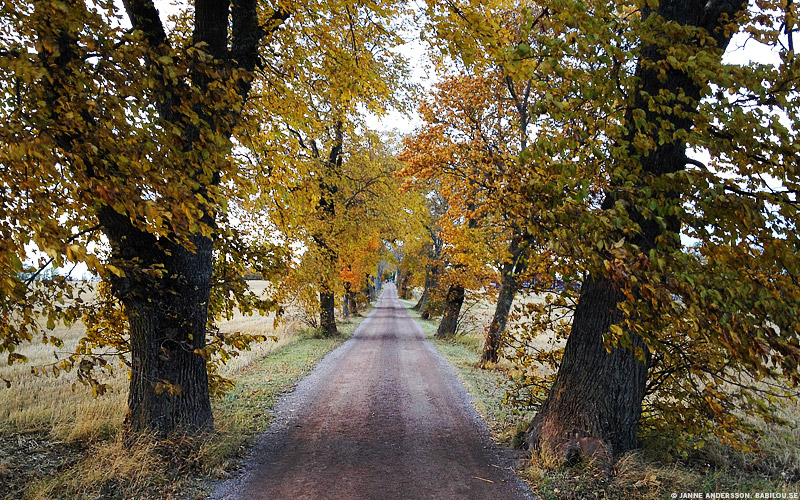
[(70, 414), (119, 472), (50, 404), (60, 442)]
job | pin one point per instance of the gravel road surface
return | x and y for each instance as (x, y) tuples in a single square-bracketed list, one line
[(383, 417)]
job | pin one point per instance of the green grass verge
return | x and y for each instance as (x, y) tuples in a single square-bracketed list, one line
[(187, 467), (642, 475)]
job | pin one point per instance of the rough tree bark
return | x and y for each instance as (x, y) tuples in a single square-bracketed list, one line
[(167, 318), (508, 289), (452, 309), (595, 403)]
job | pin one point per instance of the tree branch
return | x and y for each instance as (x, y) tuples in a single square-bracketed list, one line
[(144, 17)]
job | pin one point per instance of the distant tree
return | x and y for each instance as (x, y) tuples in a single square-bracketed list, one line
[(354, 223), (315, 100), (475, 128)]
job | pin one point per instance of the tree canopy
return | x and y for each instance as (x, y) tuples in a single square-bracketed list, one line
[(673, 197), (617, 147), (147, 150)]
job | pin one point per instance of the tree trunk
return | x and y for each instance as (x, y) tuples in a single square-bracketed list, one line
[(167, 318), (432, 274), (372, 294), (326, 208), (403, 290), (169, 382), (348, 306), (379, 275), (350, 298), (401, 283), (327, 314), (424, 297), (428, 302), (595, 403), (508, 289), (452, 309)]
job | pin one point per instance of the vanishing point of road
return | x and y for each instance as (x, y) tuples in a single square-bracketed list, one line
[(383, 417)]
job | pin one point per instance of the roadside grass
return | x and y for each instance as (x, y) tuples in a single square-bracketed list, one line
[(60, 444), (646, 474)]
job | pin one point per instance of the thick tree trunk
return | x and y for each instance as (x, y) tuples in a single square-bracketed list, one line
[(508, 289), (169, 382), (167, 318), (327, 314), (494, 334), (594, 406), (452, 310)]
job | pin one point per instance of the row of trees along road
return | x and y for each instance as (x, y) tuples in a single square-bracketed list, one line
[(159, 154), (613, 145), (608, 144)]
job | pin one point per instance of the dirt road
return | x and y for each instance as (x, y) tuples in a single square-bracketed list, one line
[(383, 417)]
